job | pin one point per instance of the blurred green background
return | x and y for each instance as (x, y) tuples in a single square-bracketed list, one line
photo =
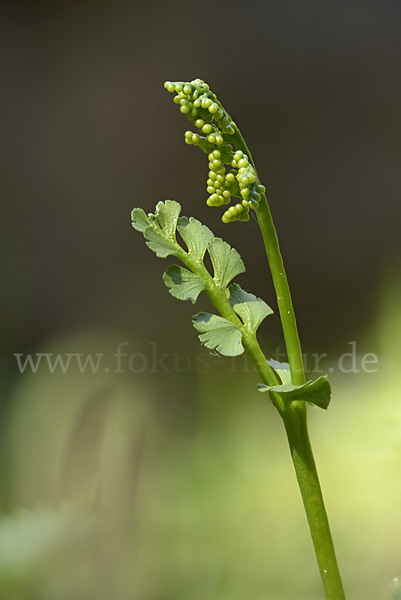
[(171, 480)]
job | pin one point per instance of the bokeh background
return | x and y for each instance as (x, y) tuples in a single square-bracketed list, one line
[(172, 480)]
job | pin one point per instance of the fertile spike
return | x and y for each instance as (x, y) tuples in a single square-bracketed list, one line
[(231, 173)]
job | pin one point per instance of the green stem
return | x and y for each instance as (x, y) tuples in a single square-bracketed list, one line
[(294, 414), (279, 277), (284, 301), (295, 421)]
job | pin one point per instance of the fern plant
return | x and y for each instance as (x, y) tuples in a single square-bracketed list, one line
[(232, 174)]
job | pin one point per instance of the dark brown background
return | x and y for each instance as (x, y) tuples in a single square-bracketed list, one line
[(88, 132)]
